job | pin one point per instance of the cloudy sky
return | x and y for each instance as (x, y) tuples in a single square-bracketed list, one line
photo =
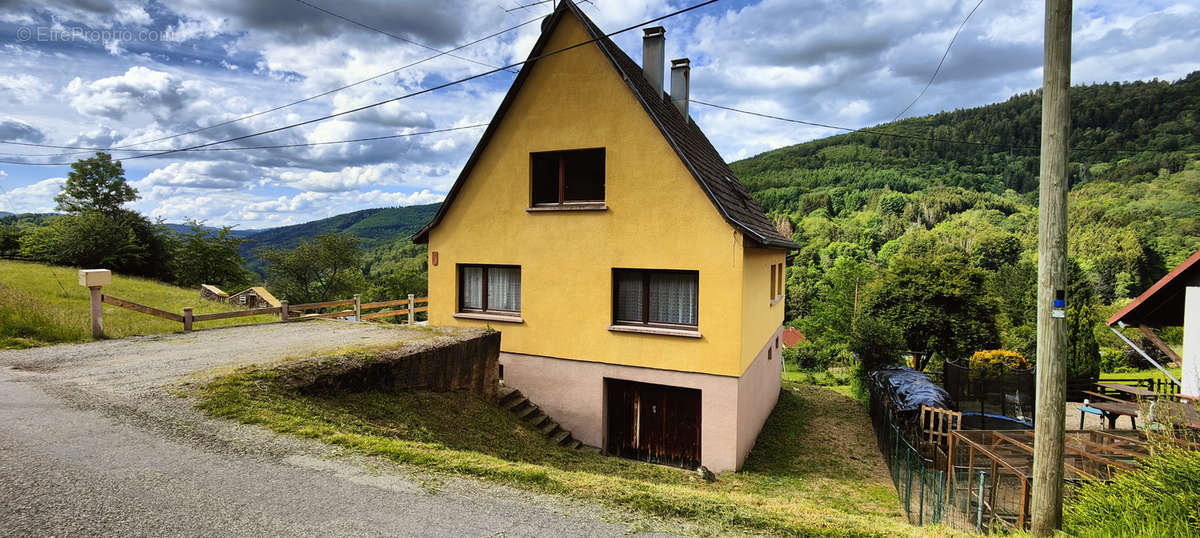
[(124, 73)]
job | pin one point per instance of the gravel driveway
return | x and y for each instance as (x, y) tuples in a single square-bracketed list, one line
[(93, 443)]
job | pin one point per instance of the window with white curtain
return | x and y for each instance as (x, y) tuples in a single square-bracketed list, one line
[(650, 297), (489, 288)]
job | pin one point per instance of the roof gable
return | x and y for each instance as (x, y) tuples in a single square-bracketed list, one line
[(1162, 304), (728, 195)]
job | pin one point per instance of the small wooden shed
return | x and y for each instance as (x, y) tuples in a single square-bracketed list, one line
[(213, 293), (255, 297)]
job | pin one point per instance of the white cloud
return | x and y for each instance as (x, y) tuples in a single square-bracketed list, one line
[(35, 198), (200, 175), (20, 88), (137, 89)]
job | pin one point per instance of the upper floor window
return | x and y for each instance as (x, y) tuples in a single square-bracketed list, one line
[(494, 289), (561, 178), (777, 282), (650, 297)]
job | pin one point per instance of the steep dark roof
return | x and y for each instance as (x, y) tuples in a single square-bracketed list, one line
[(727, 194)]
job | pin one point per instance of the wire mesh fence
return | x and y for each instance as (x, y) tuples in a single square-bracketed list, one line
[(981, 480)]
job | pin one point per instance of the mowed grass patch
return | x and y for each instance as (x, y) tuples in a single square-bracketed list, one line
[(814, 471), (1152, 373), (43, 304)]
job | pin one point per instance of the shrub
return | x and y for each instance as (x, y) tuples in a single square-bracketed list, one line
[(1113, 360), (995, 362), (1161, 498), (813, 355)]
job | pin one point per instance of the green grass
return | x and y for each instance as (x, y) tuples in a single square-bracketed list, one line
[(43, 304), (1159, 499), (835, 379), (1141, 374), (814, 471)]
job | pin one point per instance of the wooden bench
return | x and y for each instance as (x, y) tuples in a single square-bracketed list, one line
[(1102, 396), (1114, 410)]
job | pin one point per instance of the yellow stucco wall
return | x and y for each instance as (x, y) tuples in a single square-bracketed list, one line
[(658, 218), (760, 317)]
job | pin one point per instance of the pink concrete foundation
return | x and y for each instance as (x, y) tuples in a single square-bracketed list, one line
[(732, 409)]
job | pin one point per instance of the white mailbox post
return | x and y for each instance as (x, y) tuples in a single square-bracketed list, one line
[(93, 279)]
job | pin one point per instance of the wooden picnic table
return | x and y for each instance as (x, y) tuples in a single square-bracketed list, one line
[(1133, 391), (1114, 410)]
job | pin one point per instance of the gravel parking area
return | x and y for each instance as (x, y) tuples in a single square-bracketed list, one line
[(95, 443)]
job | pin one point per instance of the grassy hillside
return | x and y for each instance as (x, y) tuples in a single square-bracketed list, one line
[(374, 227), (43, 304), (815, 470)]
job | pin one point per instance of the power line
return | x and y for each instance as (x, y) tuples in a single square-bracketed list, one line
[(306, 99), (527, 5), (297, 145), (389, 34), (426, 90), (433, 88), (940, 62), (902, 135)]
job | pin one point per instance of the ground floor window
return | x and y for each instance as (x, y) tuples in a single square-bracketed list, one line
[(655, 297), (489, 288)]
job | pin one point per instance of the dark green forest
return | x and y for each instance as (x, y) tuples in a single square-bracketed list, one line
[(926, 227)]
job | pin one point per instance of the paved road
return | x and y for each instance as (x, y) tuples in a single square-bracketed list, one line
[(89, 447)]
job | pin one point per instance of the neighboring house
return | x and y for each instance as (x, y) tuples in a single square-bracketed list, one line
[(638, 287), (256, 297), (791, 337), (1173, 301), (213, 293)]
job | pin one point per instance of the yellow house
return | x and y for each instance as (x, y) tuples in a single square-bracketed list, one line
[(637, 286)]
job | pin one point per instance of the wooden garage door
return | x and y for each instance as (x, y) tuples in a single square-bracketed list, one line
[(654, 423)]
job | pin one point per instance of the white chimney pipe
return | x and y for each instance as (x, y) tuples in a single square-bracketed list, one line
[(654, 56), (680, 74)]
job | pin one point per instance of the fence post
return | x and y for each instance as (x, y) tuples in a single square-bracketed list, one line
[(357, 307), (979, 504), (411, 306), (93, 280), (921, 514), (937, 513), (283, 311), (187, 319), (97, 312)]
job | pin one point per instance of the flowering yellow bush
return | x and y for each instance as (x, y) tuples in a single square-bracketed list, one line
[(993, 362)]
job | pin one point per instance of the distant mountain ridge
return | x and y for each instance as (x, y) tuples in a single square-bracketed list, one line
[(373, 227)]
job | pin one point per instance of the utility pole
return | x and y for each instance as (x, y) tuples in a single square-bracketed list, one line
[(1046, 502)]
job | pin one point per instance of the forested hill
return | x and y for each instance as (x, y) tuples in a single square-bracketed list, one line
[(961, 186), (1109, 122), (373, 227)]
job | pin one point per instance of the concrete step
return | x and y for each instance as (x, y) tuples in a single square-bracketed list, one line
[(527, 411), (561, 437), (514, 403), (537, 419)]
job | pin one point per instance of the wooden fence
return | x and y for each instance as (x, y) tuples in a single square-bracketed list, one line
[(286, 312)]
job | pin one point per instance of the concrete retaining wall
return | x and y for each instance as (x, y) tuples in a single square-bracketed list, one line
[(469, 362)]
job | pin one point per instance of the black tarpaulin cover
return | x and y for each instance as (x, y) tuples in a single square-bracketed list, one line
[(909, 389)]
